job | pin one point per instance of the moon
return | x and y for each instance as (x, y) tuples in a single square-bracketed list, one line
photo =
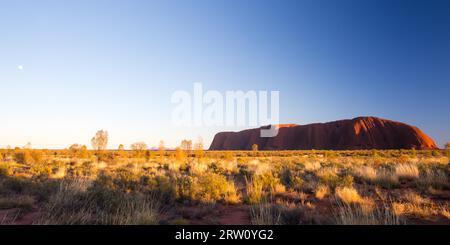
[(20, 67)]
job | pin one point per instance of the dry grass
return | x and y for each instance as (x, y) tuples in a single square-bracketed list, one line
[(346, 214), (367, 173), (213, 187), (434, 178), (376, 175), (407, 171), (254, 191), (348, 195), (414, 205), (387, 178), (322, 191), (312, 166), (282, 187), (265, 214), (21, 202), (76, 203)]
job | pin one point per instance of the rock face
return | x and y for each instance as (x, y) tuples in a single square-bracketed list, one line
[(353, 134)]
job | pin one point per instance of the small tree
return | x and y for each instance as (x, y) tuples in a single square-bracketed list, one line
[(161, 148), (139, 148), (74, 148), (121, 150), (100, 140), (84, 153), (198, 148), (255, 149), (78, 151), (27, 146), (186, 145)]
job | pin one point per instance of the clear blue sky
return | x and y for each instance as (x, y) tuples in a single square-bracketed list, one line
[(91, 64)]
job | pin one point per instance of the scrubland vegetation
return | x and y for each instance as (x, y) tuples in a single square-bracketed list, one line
[(79, 186)]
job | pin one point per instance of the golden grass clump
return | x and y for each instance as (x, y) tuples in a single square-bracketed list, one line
[(322, 191), (259, 168), (312, 166), (367, 173), (414, 198), (348, 195), (197, 167), (254, 191), (407, 171), (228, 166)]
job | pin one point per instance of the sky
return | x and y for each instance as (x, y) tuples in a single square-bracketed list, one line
[(69, 68)]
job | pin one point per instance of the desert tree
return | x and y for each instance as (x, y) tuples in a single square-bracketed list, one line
[(121, 150), (255, 149), (27, 146), (75, 147), (139, 148), (161, 148), (83, 153), (198, 144), (80, 151), (186, 145), (198, 148), (100, 140)]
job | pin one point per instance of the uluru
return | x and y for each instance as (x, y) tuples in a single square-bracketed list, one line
[(351, 134)]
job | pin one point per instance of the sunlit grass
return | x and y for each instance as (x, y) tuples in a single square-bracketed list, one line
[(274, 187)]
